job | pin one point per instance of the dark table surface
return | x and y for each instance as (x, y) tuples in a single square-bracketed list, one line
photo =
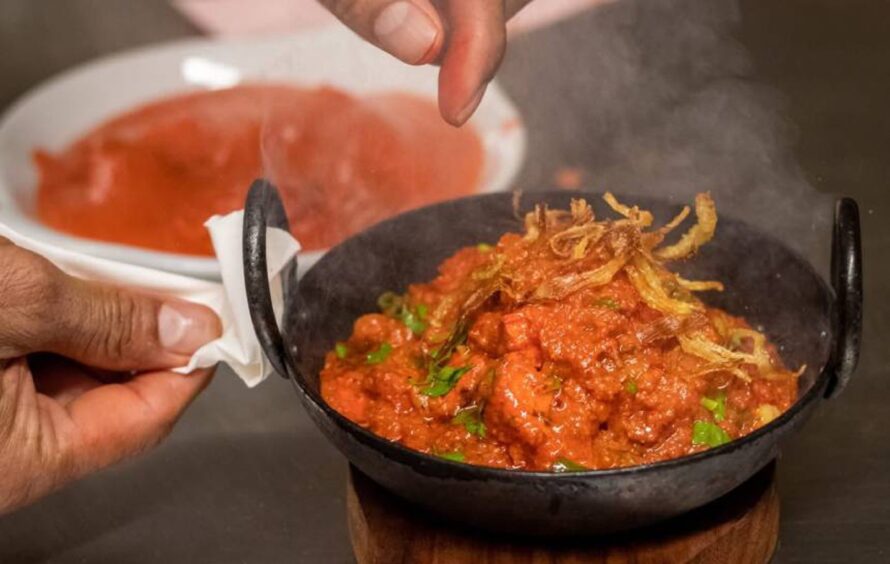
[(774, 106)]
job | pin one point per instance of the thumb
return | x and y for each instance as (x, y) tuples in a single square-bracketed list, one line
[(118, 329), (42, 309), (410, 30)]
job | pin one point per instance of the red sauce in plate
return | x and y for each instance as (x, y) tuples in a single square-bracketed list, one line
[(152, 176)]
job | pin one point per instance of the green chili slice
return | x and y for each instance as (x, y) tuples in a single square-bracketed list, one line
[(379, 355), (717, 406), (711, 434)]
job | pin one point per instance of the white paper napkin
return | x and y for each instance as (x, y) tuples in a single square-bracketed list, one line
[(238, 347)]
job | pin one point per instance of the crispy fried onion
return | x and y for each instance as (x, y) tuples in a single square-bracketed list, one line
[(700, 285), (556, 288), (735, 370), (657, 292), (575, 240), (634, 214), (721, 358), (602, 249), (698, 234)]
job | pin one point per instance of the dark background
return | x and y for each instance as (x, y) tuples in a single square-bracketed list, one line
[(774, 106)]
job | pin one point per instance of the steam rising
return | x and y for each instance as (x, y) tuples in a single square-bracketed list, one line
[(655, 98)]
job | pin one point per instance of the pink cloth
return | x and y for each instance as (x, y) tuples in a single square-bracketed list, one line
[(251, 17)]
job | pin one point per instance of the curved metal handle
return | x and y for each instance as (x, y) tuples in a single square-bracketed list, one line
[(264, 209), (846, 277)]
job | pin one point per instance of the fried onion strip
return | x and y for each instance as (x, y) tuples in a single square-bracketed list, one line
[(641, 217), (700, 285), (651, 288), (562, 286), (698, 234)]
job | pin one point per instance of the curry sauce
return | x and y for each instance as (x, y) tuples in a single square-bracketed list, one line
[(568, 347)]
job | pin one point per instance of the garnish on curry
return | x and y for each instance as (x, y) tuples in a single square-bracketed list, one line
[(566, 348)]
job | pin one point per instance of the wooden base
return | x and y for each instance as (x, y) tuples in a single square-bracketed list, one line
[(741, 528)]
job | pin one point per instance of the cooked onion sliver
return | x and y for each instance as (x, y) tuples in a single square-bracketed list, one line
[(700, 285), (558, 288), (698, 345), (576, 240), (582, 213), (635, 214), (698, 234), (648, 283), (732, 369), (672, 224), (759, 356)]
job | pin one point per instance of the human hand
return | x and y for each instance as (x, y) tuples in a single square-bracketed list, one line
[(60, 420), (467, 37)]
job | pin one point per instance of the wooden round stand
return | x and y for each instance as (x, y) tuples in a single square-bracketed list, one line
[(741, 528)]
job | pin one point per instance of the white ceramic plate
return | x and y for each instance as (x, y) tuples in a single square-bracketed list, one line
[(56, 113)]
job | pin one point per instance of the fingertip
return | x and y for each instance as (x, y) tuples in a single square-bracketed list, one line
[(476, 44), (456, 111)]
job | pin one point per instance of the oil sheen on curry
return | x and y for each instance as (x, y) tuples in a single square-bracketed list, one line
[(572, 346)]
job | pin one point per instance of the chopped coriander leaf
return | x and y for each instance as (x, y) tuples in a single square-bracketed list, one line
[(394, 306), (341, 350), (412, 321), (456, 338), (484, 248), (717, 406), (631, 387), (607, 303), (442, 380), (379, 355), (711, 434), (456, 456), (471, 419), (565, 465)]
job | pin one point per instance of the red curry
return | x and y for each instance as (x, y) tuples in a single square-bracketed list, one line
[(569, 347), (151, 177)]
